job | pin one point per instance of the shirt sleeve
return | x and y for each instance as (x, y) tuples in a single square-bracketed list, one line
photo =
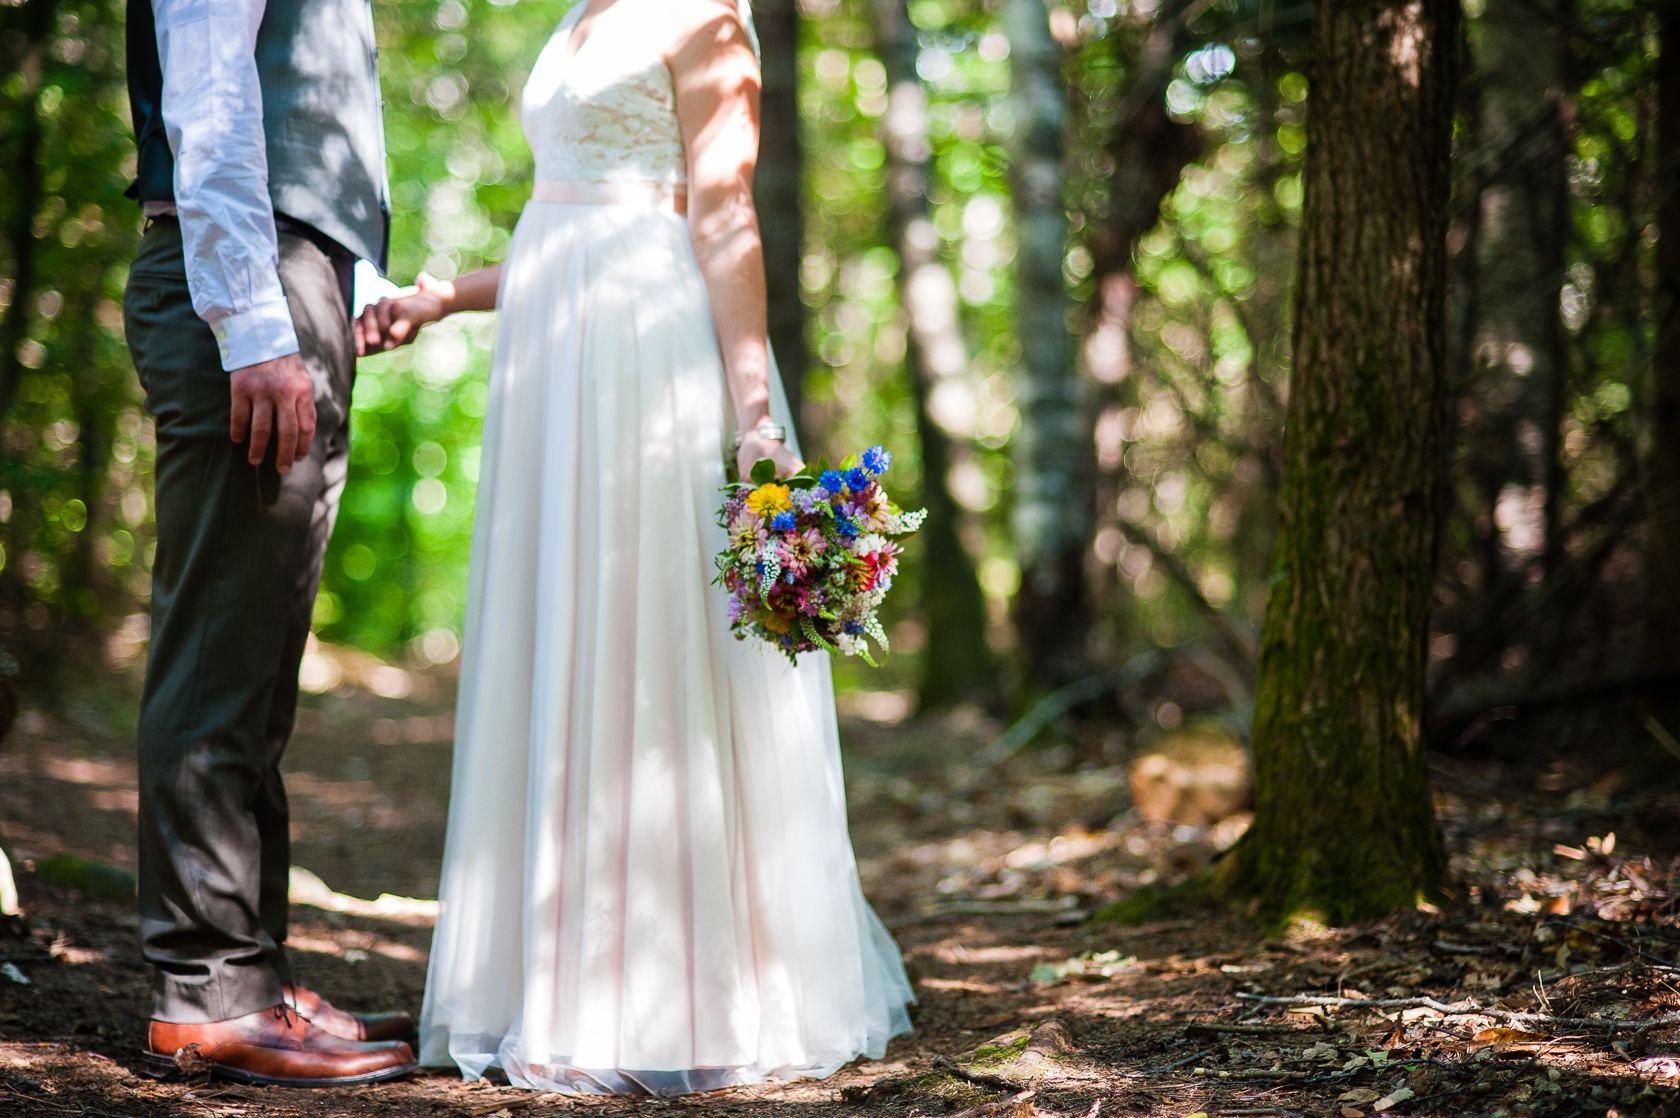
[(213, 117)]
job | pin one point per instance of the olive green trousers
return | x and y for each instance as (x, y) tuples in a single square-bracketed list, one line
[(238, 563)]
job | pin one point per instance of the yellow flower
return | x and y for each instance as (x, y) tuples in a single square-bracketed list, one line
[(769, 499), (776, 623)]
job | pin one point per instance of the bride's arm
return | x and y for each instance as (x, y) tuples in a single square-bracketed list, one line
[(389, 323), (717, 84)]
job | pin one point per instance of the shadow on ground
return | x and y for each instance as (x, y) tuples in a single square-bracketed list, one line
[(986, 877)]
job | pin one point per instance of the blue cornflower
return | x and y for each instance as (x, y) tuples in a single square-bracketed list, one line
[(876, 459), (783, 522), (832, 481), (854, 628), (847, 527), (856, 479)]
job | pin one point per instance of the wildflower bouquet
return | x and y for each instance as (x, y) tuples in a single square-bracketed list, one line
[(811, 557)]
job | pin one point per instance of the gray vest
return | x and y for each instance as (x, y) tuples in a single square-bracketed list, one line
[(316, 60)]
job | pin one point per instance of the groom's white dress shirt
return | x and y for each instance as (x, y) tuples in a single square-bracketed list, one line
[(213, 117)]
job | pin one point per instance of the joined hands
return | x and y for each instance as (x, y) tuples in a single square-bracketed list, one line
[(390, 323)]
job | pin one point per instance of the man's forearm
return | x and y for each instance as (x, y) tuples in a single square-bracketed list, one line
[(212, 111)]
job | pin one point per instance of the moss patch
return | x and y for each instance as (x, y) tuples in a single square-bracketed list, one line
[(1003, 1050)]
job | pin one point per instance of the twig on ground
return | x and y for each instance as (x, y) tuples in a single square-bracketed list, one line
[(1510, 951), (1247, 1073), (491, 1108), (1454, 1033), (1186, 1060), (1470, 1010), (991, 908), (1058, 703), (35, 1099), (1206, 1028), (978, 1078)]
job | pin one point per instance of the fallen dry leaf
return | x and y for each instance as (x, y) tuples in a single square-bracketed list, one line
[(1359, 1095), (1502, 1039), (1393, 1098)]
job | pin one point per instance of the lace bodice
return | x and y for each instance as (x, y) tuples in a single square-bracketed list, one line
[(607, 114)]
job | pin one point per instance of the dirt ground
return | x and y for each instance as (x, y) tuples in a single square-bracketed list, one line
[(1568, 875)]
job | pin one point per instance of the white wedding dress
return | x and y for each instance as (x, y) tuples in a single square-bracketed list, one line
[(647, 884)]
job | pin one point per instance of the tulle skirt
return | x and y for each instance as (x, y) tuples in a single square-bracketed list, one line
[(648, 885)]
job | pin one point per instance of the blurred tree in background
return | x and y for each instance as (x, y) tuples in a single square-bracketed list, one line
[(1043, 253), (75, 449)]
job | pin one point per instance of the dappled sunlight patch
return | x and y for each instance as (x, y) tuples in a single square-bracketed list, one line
[(308, 889), (353, 947), (328, 668)]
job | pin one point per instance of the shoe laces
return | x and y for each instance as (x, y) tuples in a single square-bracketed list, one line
[(283, 1013)]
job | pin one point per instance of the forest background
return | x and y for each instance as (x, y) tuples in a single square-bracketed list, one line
[(1045, 256)]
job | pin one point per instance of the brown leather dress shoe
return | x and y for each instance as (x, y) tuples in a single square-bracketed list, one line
[(351, 1026), (273, 1047)]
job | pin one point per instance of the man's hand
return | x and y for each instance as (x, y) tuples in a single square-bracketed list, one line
[(274, 398), (389, 323)]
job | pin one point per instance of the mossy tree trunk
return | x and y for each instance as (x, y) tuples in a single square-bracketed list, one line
[(1344, 827), (776, 192), (956, 663)]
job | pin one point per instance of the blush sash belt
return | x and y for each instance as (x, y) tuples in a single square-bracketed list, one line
[(657, 196)]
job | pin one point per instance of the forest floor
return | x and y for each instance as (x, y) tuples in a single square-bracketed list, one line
[(1568, 877)]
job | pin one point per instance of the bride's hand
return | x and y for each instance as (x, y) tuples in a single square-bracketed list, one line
[(755, 446), (390, 323)]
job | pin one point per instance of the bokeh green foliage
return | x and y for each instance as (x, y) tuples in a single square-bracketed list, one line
[(1185, 431), (75, 451)]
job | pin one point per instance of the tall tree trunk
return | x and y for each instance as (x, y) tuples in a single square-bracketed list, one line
[(1662, 552), (36, 19), (1148, 151), (776, 192), (956, 662), (1051, 511), (1344, 827)]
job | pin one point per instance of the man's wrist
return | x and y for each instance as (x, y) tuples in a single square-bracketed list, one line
[(263, 333)]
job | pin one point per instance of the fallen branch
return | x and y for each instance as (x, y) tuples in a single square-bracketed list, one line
[(1255, 1073), (1018, 1107), (1187, 1060), (978, 1078), (1470, 1010), (1206, 1028), (1444, 721), (1066, 909), (1237, 633), (1058, 703), (1445, 947)]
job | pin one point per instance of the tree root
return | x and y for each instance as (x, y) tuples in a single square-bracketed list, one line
[(978, 1078)]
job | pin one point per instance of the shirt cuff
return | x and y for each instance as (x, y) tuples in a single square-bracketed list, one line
[(251, 337)]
